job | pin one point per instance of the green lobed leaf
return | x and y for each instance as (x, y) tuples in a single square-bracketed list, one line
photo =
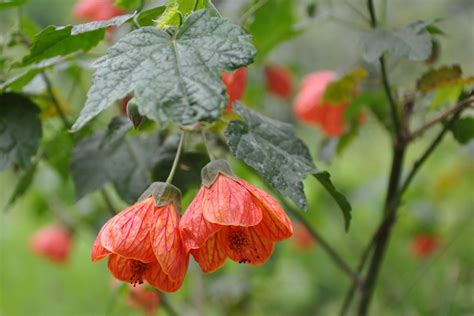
[(127, 165), (176, 10), (20, 130), (412, 42), (147, 17), (463, 130), (54, 41), (272, 24), (271, 148), (7, 4), (325, 179), (172, 77)]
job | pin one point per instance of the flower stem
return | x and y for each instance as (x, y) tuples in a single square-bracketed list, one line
[(204, 138), (176, 159)]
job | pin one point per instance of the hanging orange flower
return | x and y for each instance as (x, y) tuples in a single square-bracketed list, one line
[(52, 242), (235, 83), (143, 242), (230, 218), (278, 81), (424, 244)]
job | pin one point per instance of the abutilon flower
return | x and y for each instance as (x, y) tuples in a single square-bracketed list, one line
[(143, 242), (230, 218), (96, 10), (308, 106), (424, 244), (235, 83), (52, 242), (278, 81)]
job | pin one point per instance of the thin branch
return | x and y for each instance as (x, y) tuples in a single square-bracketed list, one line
[(214, 8), (108, 201), (254, 8), (357, 11), (56, 104), (357, 281), (176, 159), (459, 107)]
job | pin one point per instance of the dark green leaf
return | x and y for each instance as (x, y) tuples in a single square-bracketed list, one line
[(116, 131), (97, 25), (463, 130), (325, 179), (7, 4), (173, 78), (147, 17), (23, 184), (20, 130), (58, 41), (272, 24), (126, 165), (412, 42), (271, 148)]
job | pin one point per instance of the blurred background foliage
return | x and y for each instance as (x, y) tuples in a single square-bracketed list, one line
[(295, 281)]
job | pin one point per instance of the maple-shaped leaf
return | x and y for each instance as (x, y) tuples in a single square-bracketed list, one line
[(173, 77)]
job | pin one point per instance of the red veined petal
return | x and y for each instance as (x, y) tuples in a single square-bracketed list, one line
[(211, 255), (159, 279), (275, 224), (195, 230), (127, 233), (128, 270), (98, 251), (228, 203), (246, 245), (167, 244)]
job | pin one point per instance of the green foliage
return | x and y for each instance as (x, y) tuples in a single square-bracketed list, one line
[(272, 24), (463, 130), (126, 164), (343, 89), (325, 179), (376, 101), (116, 131), (127, 4), (147, 17), (412, 42), (7, 4), (443, 77), (163, 72), (271, 148), (97, 25), (20, 130), (24, 182)]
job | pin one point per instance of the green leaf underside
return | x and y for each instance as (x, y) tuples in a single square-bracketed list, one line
[(272, 24), (325, 179), (463, 130), (412, 42), (97, 25), (20, 130), (172, 78), (271, 148), (53, 41), (127, 165)]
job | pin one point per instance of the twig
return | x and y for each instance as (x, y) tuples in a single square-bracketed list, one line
[(55, 101), (254, 8), (357, 281), (460, 106), (356, 10)]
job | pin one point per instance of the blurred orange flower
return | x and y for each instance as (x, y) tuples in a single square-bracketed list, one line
[(302, 238), (231, 218), (424, 244), (235, 83), (52, 242), (144, 299), (143, 243), (278, 81), (96, 10)]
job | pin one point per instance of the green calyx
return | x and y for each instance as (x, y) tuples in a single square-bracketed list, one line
[(163, 193), (210, 172)]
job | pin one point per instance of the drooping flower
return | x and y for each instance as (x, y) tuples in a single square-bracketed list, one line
[(96, 10), (143, 298), (143, 242), (52, 242), (424, 244), (308, 106), (230, 218), (235, 83), (278, 81), (302, 238)]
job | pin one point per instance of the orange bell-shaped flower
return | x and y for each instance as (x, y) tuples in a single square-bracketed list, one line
[(235, 83), (230, 218), (52, 242), (143, 242)]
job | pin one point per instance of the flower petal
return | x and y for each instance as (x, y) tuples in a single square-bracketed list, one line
[(275, 224), (210, 256), (228, 203), (246, 245), (98, 251), (195, 230), (127, 233), (167, 244), (120, 267), (159, 279)]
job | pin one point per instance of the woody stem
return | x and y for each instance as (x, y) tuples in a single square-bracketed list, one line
[(176, 159)]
